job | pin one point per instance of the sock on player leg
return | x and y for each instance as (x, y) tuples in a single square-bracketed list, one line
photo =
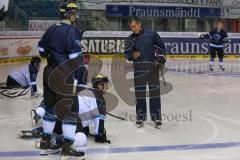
[(211, 62), (221, 63), (40, 112), (69, 131), (48, 124)]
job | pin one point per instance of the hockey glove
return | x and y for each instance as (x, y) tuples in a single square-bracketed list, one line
[(102, 138), (161, 59), (201, 36), (226, 40)]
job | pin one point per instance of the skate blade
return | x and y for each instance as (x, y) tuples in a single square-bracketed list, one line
[(140, 125), (158, 126), (64, 157), (25, 136), (49, 151)]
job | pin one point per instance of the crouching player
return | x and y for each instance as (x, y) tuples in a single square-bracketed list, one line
[(92, 110), (25, 76), (92, 107)]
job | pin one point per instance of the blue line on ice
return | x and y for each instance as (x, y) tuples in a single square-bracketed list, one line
[(133, 149)]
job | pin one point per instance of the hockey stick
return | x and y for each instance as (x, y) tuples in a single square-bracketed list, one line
[(163, 78), (112, 115), (13, 95), (157, 53)]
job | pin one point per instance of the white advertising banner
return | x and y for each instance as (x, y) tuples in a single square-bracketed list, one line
[(231, 13), (233, 3), (18, 46), (41, 25), (101, 4)]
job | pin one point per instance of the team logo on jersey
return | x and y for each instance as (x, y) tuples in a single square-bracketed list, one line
[(216, 37)]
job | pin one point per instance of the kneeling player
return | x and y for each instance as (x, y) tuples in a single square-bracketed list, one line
[(25, 76), (92, 109)]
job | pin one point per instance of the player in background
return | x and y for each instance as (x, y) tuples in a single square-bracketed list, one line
[(218, 37), (60, 44), (26, 76)]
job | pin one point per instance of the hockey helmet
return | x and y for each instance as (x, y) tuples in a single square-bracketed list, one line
[(68, 8), (99, 79)]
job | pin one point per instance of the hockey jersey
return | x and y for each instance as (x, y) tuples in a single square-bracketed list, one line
[(26, 77), (60, 43), (92, 108), (218, 38)]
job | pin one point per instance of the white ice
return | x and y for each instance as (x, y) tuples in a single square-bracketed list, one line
[(209, 99)]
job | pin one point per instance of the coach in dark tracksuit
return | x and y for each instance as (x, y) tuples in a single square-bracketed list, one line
[(146, 69)]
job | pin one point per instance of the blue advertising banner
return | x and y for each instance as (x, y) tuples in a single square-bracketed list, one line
[(162, 11), (183, 45), (174, 45)]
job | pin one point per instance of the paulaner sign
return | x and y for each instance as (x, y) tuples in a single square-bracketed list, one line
[(162, 11)]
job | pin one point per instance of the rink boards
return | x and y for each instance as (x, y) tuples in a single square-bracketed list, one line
[(19, 46), (27, 59)]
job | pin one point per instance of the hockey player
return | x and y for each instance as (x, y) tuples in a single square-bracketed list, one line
[(80, 75), (25, 76), (92, 109), (218, 37), (60, 44)]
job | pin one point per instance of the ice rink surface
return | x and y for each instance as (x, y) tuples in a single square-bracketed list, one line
[(201, 118)]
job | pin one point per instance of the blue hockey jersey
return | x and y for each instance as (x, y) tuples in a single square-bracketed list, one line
[(62, 42), (218, 38)]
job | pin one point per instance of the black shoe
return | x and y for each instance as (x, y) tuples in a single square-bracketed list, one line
[(49, 146), (211, 67), (222, 68), (140, 123), (86, 131), (35, 117), (158, 124), (102, 138), (68, 150)]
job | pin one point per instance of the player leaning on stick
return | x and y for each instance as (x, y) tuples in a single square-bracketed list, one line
[(218, 37), (146, 69)]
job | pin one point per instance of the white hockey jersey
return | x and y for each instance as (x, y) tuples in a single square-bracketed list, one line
[(89, 109), (25, 77)]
